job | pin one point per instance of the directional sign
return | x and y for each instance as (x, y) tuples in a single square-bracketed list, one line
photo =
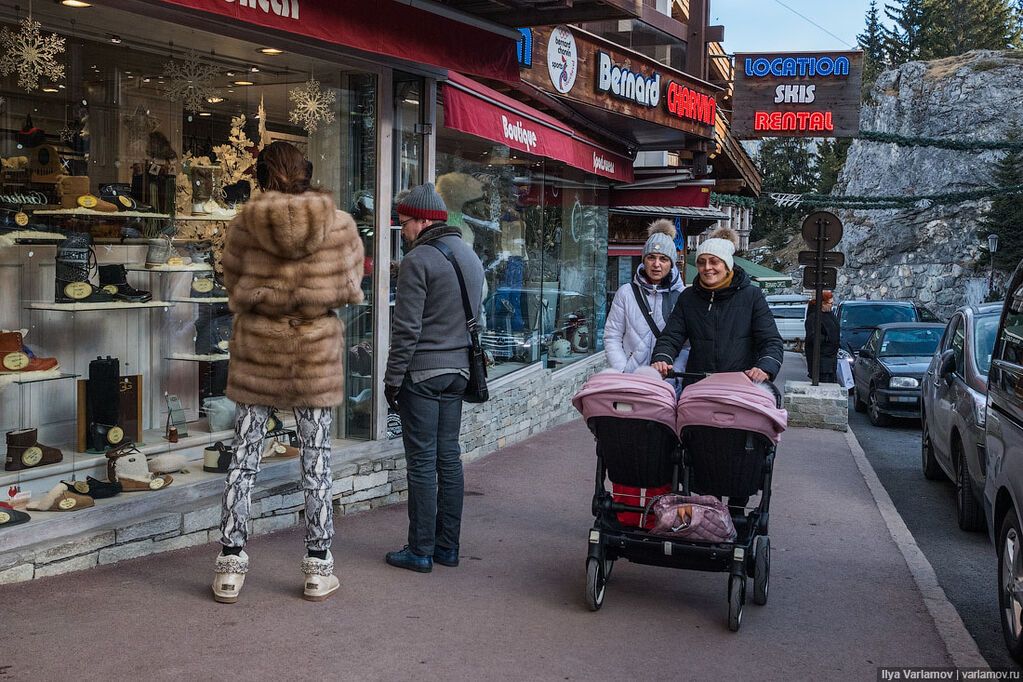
[(832, 227), (834, 259), (828, 277)]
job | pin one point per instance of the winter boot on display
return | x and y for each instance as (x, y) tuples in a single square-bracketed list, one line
[(320, 581), (113, 279), (59, 498), (25, 452), (127, 466), (207, 286), (102, 404), (229, 576), (94, 488), (75, 260), (16, 357)]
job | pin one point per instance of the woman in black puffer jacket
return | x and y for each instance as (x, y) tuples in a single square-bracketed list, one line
[(724, 317)]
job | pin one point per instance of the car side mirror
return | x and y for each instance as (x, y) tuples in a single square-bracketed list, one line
[(947, 364), (866, 353)]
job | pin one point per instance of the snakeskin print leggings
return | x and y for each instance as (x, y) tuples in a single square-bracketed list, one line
[(314, 434)]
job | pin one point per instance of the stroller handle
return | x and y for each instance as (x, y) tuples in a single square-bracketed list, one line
[(672, 374)]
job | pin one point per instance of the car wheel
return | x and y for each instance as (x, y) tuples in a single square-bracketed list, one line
[(858, 404), (877, 417), (968, 511), (932, 472), (1010, 584)]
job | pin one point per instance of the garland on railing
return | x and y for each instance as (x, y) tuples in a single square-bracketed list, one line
[(864, 202), (732, 200)]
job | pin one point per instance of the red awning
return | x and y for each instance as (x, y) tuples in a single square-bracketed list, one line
[(478, 110), (697, 196), (624, 250), (384, 27)]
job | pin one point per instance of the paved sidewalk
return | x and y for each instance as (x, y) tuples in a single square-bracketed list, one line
[(842, 599)]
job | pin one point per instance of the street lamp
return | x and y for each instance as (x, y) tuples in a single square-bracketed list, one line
[(992, 247)]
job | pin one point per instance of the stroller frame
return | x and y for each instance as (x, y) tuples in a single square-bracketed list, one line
[(748, 556)]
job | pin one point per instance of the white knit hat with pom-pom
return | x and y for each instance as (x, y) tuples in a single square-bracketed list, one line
[(661, 239), (722, 243)]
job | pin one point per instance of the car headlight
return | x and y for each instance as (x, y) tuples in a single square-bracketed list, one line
[(979, 407), (903, 382)]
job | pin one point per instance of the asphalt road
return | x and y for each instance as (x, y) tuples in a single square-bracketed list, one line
[(965, 563)]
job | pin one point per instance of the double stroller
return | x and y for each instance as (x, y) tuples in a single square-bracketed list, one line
[(672, 463)]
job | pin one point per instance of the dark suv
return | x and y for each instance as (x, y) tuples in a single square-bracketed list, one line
[(857, 320), (1003, 465)]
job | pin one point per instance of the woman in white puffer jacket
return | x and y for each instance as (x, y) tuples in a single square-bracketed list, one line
[(628, 338)]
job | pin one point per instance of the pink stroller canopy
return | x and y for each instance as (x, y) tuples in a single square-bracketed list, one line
[(627, 396), (731, 401)]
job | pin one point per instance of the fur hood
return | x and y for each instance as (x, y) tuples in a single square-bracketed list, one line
[(290, 226)]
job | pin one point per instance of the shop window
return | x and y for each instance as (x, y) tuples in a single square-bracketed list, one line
[(540, 230), (119, 166)]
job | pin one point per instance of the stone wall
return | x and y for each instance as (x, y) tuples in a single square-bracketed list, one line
[(531, 402)]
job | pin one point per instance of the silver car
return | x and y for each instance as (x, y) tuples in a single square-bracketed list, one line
[(954, 393)]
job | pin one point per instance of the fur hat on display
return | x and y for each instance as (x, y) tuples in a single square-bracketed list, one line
[(423, 202), (661, 239), (722, 243)]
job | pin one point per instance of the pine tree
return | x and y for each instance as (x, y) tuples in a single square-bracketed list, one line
[(872, 42), (831, 155), (904, 39), (958, 26), (787, 165), (1005, 214)]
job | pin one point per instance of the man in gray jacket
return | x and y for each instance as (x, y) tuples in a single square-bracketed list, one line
[(427, 372)]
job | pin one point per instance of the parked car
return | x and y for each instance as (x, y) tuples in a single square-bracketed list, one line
[(1003, 485), (954, 403), (888, 370), (789, 311), (858, 319)]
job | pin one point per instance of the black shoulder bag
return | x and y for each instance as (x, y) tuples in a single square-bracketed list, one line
[(641, 300), (476, 390)]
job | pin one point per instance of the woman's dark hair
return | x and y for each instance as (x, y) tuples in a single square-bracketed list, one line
[(280, 167)]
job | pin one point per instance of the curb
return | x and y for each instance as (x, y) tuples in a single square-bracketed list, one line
[(958, 642)]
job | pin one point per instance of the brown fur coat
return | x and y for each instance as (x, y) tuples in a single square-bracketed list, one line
[(288, 261)]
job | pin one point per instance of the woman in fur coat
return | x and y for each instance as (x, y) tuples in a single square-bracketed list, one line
[(628, 335), (290, 259)]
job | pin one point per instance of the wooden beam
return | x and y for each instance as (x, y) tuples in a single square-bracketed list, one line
[(729, 185), (696, 50), (664, 23)]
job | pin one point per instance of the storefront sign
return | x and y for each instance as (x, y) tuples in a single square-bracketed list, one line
[(588, 69), (797, 95), (524, 48), (562, 59), (383, 27)]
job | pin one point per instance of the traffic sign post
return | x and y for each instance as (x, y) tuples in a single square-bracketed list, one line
[(821, 230)]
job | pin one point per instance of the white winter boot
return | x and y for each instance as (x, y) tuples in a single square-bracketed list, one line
[(229, 576), (320, 581)]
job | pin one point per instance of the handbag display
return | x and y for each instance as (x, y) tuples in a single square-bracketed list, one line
[(476, 390)]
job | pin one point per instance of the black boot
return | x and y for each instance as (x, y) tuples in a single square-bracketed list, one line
[(113, 279), (75, 259)]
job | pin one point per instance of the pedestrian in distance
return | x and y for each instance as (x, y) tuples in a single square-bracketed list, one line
[(290, 259), (830, 334), (641, 308), (724, 317), (427, 373)]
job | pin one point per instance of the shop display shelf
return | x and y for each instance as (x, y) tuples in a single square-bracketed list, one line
[(91, 307), (201, 301), (40, 379), (142, 241), (195, 357), (191, 267), (207, 218), (89, 213)]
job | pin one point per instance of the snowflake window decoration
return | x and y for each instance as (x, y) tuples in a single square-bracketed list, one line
[(190, 82), (312, 105), (31, 55), (68, 133)]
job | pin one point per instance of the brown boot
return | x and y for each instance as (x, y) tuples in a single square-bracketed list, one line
[(14, 357), (25, 452)]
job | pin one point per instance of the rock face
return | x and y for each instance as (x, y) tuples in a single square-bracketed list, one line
[(928, 253)]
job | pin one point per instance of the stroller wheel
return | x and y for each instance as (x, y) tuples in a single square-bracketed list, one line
[(595, 583), (762, 576), (736, 599), (608, 566)]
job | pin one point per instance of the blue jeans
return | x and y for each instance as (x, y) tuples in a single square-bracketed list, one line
[(431, 418)]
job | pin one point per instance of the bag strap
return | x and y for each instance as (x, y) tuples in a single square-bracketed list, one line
[(470, 321), (641, 300)]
